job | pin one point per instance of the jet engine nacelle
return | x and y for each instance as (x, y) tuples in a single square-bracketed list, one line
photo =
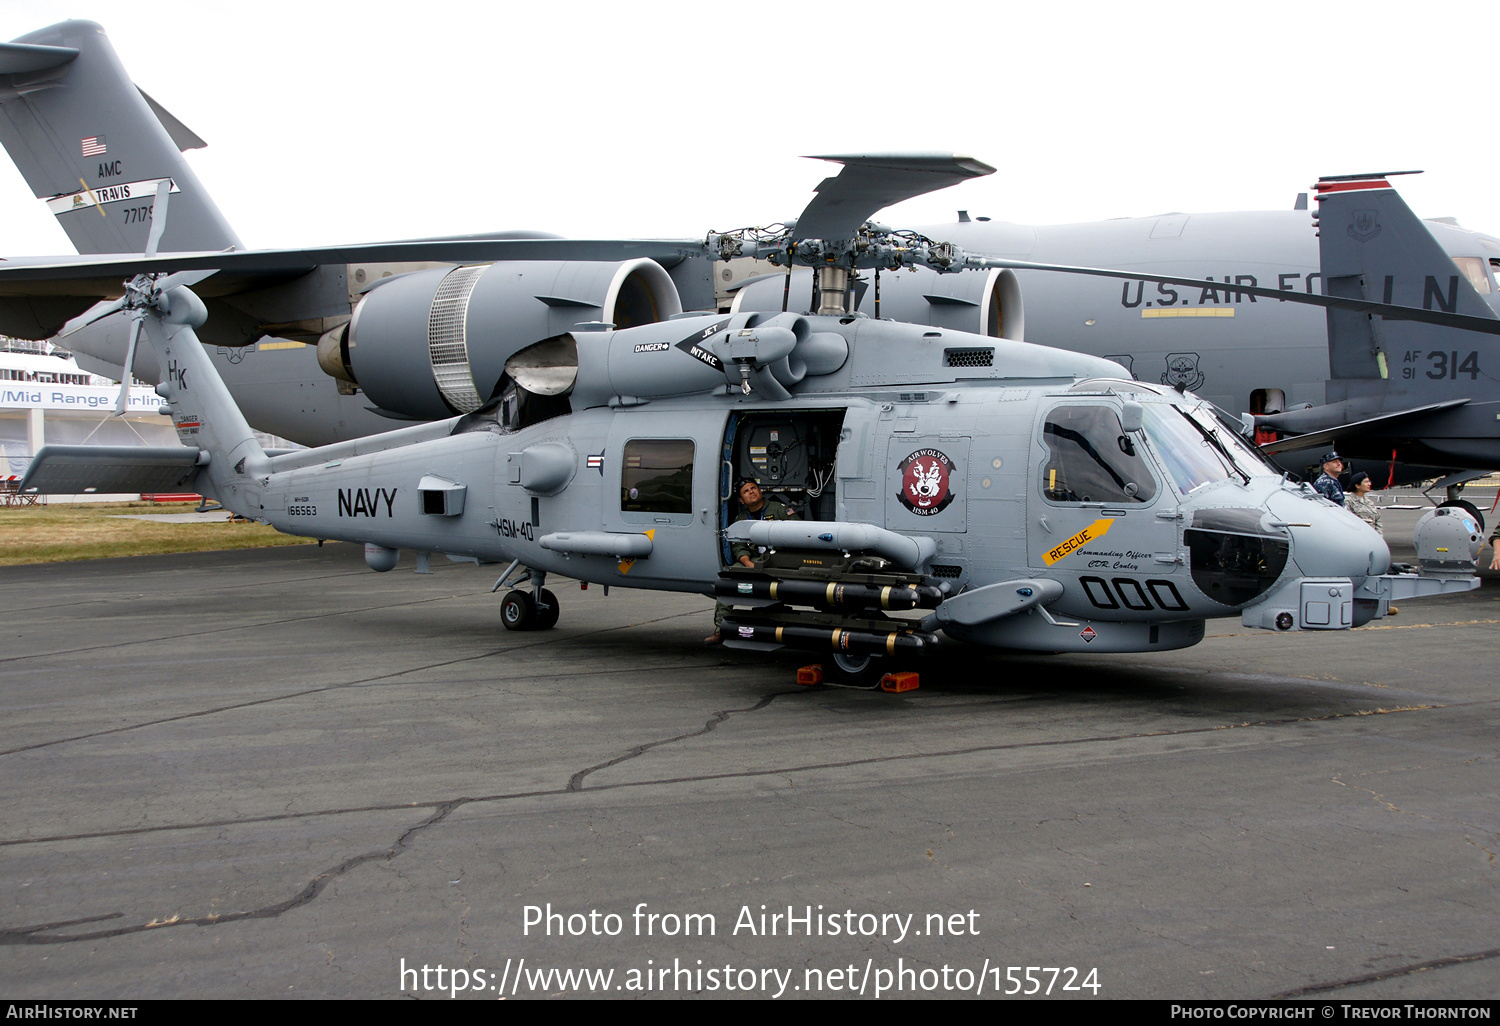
[(983, 304), (433, 343)]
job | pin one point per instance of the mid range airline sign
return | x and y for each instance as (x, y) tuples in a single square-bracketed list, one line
[(31, 395)]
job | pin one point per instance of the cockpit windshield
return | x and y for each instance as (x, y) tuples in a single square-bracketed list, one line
[(1246, 459), (1189, 457)]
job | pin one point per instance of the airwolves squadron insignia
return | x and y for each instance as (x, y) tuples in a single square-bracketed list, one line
[(926, 482)]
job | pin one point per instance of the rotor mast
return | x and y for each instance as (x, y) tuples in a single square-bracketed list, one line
[(834, 236)]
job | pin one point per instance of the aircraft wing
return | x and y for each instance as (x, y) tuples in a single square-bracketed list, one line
[(100, 277), (74, 469), (1311, 439)]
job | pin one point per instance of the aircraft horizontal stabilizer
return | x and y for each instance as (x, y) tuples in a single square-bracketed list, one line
[(75, 469), (30, 59), (1341, 431)]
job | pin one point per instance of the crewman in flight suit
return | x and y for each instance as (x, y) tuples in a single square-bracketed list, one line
[(753, 506)]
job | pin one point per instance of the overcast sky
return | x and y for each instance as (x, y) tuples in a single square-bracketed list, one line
[(349, 122)]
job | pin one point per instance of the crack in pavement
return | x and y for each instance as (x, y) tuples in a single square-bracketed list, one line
[(575, 782), (37, 934), (314, 887), (730, 775), (1405, 970)]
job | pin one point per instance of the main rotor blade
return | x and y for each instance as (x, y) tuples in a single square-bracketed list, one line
[(873, 181), (1487, 325), (158, 216)]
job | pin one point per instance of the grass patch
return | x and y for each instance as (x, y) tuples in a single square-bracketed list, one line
[(93, 530)]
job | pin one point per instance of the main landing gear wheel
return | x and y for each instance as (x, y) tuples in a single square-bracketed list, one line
[(518, 612), (862, 671), (546, 611)]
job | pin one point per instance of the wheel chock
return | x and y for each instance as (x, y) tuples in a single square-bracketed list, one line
[(896, 683), (810, 675)]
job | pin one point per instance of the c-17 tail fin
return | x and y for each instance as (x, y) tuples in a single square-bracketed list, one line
[(1411, 391), (95, 147), (1371, 246)]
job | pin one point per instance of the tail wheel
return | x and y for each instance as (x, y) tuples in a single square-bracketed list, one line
[(546, 611), (519, 613), (857, 670)]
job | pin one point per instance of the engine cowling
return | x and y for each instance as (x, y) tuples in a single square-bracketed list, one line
[(433, 343), (983, 303), (626, 367)]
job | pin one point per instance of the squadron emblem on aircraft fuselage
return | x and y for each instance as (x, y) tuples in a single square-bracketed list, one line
[(926, 482)]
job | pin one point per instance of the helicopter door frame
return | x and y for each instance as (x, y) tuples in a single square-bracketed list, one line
[(680, 523), (775, 445)]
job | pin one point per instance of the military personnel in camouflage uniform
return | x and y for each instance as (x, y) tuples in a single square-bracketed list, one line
[(1357, 501), (1327, 484), (753, 506)]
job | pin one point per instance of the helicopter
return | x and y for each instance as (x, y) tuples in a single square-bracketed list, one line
[(945, 483)]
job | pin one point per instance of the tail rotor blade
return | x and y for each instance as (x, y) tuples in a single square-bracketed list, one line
[(158, 216), (128, 372), (84, 320)]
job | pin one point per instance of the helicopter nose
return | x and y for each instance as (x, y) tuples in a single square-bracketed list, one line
[(1326, 540)]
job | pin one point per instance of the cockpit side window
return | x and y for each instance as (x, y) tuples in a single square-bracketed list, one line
[(1092, 459)]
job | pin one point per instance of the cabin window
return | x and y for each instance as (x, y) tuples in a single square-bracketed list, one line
[(1092, 459), (656, 476)]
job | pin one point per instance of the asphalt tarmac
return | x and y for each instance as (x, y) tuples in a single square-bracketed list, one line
[(275, 773)]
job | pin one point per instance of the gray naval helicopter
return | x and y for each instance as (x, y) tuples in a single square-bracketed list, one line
[(994, 491)]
